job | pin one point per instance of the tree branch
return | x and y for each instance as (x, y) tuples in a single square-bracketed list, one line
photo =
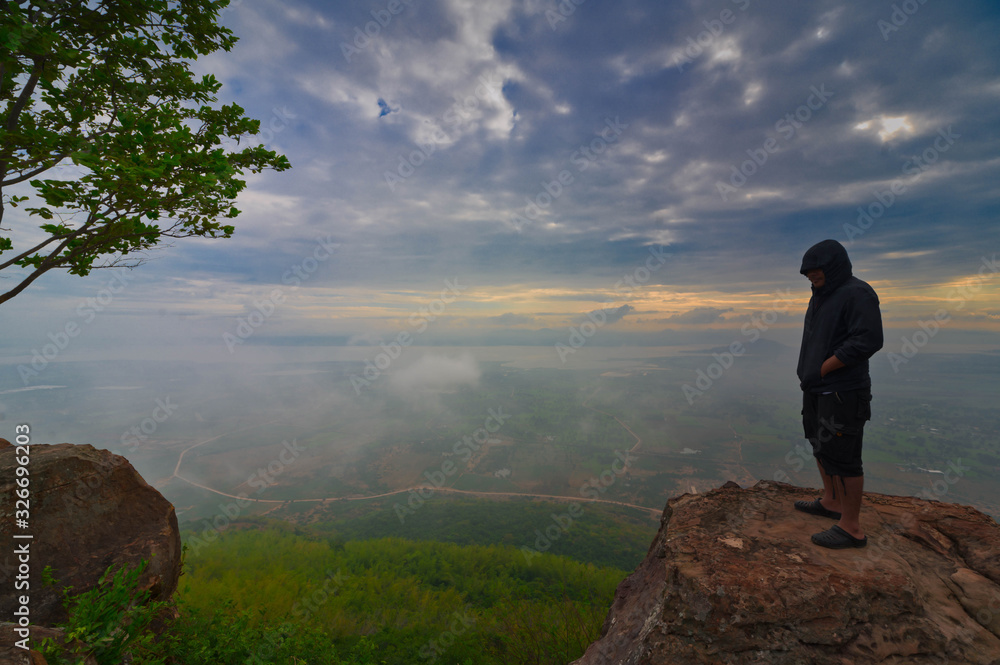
[(31, 174), (66, 237), (23, 284), (31, 251), (26, 92)]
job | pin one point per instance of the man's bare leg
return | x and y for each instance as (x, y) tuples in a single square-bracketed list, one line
[(851, 492), (831, 493)]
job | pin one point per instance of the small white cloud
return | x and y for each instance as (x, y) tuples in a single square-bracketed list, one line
[(906, 255), (892, 126), (887, 127), (436, 373), (727, 50)]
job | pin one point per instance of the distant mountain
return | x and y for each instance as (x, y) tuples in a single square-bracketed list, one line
[(761, 347)]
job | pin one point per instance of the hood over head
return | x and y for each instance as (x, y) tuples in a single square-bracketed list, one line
[(830, 257)]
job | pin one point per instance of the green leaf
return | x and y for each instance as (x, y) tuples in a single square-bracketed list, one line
[(117, 98), (44, 213)]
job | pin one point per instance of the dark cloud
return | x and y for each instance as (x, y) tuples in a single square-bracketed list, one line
[(608, 316), (510, 319), (689, 115)]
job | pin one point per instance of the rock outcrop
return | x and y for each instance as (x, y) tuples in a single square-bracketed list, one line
[(732, 577), (88, 509)]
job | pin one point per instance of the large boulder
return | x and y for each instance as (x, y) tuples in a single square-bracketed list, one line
[(732, 577), (89, 509)]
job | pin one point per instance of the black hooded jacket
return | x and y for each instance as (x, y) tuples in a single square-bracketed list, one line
[(843, 319)]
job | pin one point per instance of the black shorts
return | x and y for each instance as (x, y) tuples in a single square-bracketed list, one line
[(834, 424)]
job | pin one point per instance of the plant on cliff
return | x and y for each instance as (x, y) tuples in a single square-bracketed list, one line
[(112, 619), (108, 137)]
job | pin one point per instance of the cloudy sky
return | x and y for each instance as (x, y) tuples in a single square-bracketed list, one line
[(492, 172)]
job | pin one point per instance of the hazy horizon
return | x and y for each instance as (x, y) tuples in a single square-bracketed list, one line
[(152, 410)]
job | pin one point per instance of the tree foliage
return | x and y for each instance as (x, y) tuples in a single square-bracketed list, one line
[(285, 588), (108, 138), (287, 595)]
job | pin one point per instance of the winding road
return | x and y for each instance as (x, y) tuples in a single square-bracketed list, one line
[(416, 488)]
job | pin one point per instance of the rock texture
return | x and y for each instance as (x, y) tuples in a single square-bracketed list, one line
[(89, 509), (732, 577)]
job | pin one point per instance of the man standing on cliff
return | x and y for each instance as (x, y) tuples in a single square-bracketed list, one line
[(843, 329)]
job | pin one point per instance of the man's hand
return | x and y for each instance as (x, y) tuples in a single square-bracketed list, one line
[(830, 364)]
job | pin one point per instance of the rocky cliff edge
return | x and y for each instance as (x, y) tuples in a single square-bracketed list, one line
[(732, 578)]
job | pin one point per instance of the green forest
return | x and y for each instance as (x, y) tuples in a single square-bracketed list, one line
[(276, 593), (604, 535)]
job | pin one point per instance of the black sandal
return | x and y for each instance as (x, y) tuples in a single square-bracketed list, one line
[(816, 508), (837, 539)]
